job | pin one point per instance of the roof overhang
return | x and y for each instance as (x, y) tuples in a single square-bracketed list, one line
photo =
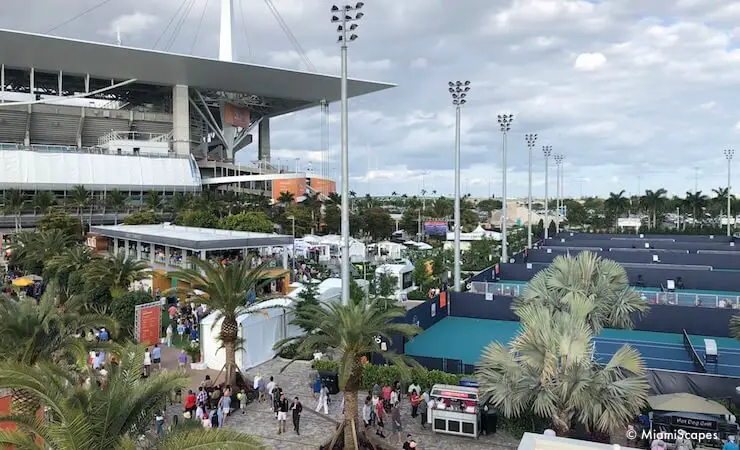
[(194, 244), (20, 50)]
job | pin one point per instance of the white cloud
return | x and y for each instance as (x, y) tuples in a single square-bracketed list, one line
[(131, 24), (708, 105), (588, 62), (326, 63), (419, 63)]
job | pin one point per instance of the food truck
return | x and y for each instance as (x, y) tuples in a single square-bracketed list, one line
[(455, 410)]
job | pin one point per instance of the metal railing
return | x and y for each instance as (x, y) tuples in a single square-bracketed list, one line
[(89, 150), (652, 297), (134, 136)]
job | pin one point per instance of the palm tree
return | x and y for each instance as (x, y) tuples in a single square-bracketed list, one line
[(286, 198), (601, 280), (352, 331), (695, 201), (14, 202), (224, 288), (653, 202), (548, 369), (115, 200), (153, 200), (118, 272), (31, 333), (42, 201), (720, 200), (107, 416), (80, 198), (617, 203), (72, 260), (30, 250), (178, 202)]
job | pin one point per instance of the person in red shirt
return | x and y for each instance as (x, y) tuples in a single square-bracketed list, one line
[(414, 404), (379, 413), (190, 401)]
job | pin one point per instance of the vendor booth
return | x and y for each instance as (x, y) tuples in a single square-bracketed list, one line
[(455, 410), (260, 327), (673, 412)]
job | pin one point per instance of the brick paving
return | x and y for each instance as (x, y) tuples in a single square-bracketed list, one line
[(259, 420)]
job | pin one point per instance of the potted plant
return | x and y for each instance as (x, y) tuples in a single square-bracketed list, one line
[(193, 351), (328, 373)]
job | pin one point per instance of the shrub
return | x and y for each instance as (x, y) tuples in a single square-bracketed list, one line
[(324, 365), (387, 375), (289, 352), (416, 294)]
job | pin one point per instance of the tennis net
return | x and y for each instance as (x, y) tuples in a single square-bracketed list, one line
[(698, 363)]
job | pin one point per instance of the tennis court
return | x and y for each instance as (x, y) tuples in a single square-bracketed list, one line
[(461, 338)]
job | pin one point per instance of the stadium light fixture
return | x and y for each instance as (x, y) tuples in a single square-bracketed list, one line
[(559, 189), (346, 24), (531, 139), (458, 91), (504, 121), (547, 151)]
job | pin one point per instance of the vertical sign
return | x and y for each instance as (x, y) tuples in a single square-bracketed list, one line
[(148, 323)]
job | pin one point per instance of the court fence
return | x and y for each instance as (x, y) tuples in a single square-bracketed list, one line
[(653, 297)]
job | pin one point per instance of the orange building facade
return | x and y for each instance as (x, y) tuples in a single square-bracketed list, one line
[(297, 186)]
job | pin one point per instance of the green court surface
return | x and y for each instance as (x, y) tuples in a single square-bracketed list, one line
[(463, 338)]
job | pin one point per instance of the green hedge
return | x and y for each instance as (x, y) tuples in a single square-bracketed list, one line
[(387, 375)]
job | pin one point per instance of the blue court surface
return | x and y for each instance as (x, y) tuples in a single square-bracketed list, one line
[(463, 339)]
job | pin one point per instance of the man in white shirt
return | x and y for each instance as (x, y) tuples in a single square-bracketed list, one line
[(414, 387), (270, 388)]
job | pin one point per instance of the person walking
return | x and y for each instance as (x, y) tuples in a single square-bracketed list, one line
[(422, 408), (282, 414), (323, 399), (379, 415), (168, 335), (190, 404), (270, 390), (147, 363), (414, 404), (157, 356), (159, 422), (396, 423), (366, 412), (297, 408)]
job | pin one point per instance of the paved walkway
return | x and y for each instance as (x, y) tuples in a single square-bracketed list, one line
[(259, 420)]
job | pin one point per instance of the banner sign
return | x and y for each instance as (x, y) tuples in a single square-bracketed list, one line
[(148, 323), (435, 228), (236, 116)]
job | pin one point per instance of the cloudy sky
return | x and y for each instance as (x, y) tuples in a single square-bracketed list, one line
[(635, 94)]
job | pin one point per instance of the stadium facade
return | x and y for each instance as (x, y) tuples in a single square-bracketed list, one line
[(111, 117)]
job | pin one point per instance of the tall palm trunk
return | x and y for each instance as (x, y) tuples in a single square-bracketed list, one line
[(229, 336), (350, 418), (23, 403)]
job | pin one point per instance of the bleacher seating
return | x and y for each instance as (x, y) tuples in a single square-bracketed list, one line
[(152, 127), (94, 127), (13, 125), (54, 129)]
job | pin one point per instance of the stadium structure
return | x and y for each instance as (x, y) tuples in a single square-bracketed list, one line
[(112, 117)]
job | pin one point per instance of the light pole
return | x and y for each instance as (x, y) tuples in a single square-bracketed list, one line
[(458, 90), (292, 219), (346, 30), (504, 120), (729, 153), (531, 139), (547, 151), (558, 163)]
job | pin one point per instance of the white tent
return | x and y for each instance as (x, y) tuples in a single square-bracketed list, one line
[(391, 250), (260, 327), (403, 272)]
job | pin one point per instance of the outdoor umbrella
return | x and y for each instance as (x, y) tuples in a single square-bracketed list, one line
[(685, 402), (22, 282)]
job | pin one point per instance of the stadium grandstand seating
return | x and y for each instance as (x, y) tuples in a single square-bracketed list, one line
[(13, 124), (52, 128), (715, 261)]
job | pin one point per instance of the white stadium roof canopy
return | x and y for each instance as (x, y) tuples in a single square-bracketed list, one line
[(20, 50)]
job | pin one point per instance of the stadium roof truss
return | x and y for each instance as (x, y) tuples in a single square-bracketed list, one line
[(58, 66)]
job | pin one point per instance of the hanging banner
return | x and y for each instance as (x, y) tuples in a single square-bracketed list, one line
[(236, 116), (148, 323)]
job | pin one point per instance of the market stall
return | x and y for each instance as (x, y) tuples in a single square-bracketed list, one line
[(456, 410)]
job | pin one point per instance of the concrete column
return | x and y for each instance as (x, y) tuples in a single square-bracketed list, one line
[(263, 148), (152, 256), (138, 250), (285, 257), (115, 246), (127, 244), (203, 255), (181, 119), (185, 258), (167, 253)]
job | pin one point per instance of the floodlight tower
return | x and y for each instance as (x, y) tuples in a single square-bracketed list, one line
[(559, 164), (531, 139), (547, 151), (345, 18), (458, 90), (504, 120), (729, 153), (225, 48)]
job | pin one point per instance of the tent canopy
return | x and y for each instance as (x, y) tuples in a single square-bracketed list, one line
[(685, 402)]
